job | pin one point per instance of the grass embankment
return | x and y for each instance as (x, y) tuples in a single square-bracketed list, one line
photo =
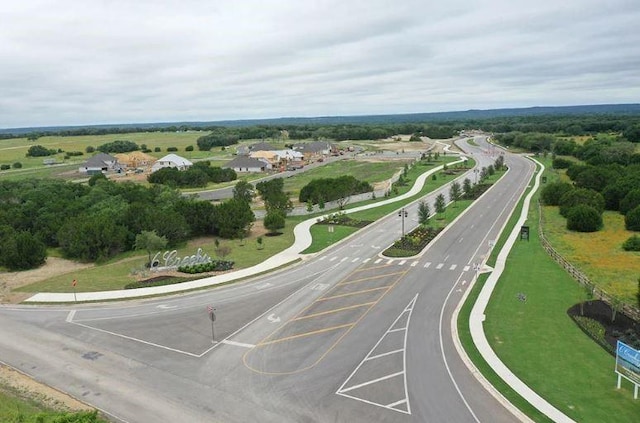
[(15, 408), (538, 341)]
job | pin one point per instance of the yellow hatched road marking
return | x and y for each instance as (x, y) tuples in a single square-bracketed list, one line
[(302, 335), (337, 310), (348, 294)]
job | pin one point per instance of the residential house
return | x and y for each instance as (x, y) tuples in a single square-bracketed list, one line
[(135, 159), (261, 146), (315, 150), (171, 160), (243, 164), (100, 163)]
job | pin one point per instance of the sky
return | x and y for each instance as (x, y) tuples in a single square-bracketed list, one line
[(81, 62)]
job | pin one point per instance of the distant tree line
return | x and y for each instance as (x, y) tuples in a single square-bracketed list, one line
[(99, 221)]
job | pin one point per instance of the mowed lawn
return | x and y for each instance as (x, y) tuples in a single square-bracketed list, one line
[(540, 343)]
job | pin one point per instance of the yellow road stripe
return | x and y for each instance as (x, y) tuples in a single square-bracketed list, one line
[(368, 279), (337, 310), (301, 335), (353, 293)]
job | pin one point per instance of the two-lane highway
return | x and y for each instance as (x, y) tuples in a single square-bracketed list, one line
[(346, 335)]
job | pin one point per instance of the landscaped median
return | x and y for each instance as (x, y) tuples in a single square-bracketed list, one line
[(527, 326)]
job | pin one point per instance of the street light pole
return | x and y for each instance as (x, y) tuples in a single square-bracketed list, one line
[(403, 213)]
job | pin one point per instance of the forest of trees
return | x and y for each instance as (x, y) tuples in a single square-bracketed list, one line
[(94, 223)]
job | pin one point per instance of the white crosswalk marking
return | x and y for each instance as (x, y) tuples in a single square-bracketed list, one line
[(453, 267), (389, 261), (427, 264), (355, 259), (322, 258), (344, 259), (402, 262), (333, 258), (439, 266), (414, 264), (377, 261), (466, 268), (366, 260)]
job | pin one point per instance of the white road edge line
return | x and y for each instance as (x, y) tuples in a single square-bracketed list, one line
[(237, 344)]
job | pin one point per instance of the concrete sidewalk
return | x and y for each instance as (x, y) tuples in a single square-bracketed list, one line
[(302, 236)]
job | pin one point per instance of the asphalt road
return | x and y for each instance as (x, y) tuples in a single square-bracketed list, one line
[(344, 336)]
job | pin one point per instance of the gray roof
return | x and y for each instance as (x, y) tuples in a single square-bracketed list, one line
[(313, 147), (100, 160), (262, 146), (244, 161)]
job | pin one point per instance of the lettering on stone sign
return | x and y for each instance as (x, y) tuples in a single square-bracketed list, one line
[(170, 260)]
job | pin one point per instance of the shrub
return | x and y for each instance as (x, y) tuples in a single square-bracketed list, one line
[(118, 146), (188, 148), (157, 149), (172, 149), (273, 221), (5, 167), (632, 220), (630, 201), (39, 151), (583, 218), (632, 244), (552, 193), (212, 266), (90, 149), (17, 165), (561, 163), (581, 196)]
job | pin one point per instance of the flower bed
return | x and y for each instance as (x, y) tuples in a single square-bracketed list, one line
[(413, 242)]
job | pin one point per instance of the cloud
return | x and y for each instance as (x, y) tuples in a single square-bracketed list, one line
[(115, 61)]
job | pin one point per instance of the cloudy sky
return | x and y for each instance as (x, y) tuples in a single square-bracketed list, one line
[(74, 62)]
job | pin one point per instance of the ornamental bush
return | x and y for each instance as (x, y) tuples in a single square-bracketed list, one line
[(632, 243), (584, 218), (552, 193), (212, 266), (632, 220), (581, 196)]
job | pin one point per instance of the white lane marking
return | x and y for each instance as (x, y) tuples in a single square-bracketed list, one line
[(342, 389), (377, 261), (460, 240), (439, 266), (264, 286), (466, 269), (70, 316), (397, 330), (355, 259), (427, 264), (402, 262), (370, 382), (453, 267), (446, 258), (320, 287), (237, 344), (414, 264), (389, 261), (442, 353), (344, 259), (322, 258), (333, 258), (273, 318), (373, 357), (166, 307), (366, 260)]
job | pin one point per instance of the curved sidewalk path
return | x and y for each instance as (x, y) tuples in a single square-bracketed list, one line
[(302, 236)]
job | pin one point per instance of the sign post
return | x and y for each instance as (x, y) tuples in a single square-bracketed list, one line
[(628, 366), (73, 284), (212, 317)]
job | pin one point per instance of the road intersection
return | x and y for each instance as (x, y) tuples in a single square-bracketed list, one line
[(344, 336)]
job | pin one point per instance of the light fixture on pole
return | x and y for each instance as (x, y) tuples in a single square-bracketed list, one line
[(402, 213)]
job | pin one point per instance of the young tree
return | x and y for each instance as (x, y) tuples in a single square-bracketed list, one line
[(455, 192), (274, 221), (440, 204), (467, 188), (424, 212), (150, 241), (243, 191)]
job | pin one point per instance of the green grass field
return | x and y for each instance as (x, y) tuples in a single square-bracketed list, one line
[(539, 342), (15, 408)]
